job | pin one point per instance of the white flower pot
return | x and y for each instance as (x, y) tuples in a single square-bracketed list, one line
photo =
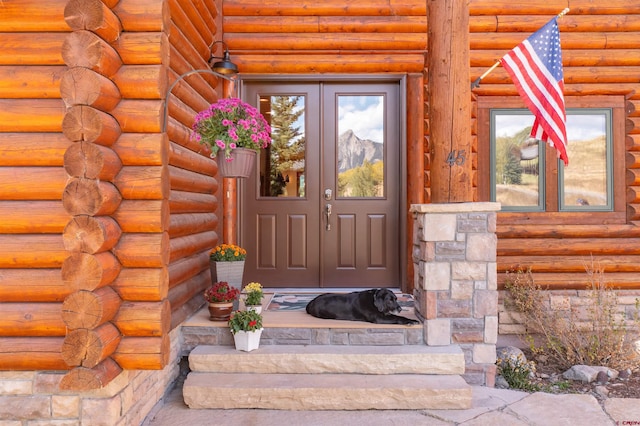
[(247, 340), (257, 308)]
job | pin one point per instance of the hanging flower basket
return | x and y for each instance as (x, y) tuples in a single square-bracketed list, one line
[(240, 164), (226, 126)]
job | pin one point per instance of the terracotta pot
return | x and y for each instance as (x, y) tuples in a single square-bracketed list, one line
[(242, 164), (220, 311)]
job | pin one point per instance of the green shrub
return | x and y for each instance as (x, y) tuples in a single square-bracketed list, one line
[(604, 338), (518, 373)]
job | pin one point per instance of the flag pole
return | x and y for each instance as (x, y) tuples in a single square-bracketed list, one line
[(476, 83)]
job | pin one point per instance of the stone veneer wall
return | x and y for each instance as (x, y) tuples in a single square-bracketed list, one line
[(573, 303), (32, 397), (454, 257)]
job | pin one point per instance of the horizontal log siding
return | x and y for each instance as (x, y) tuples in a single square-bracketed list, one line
[(601, 56), (191, 226), (40, 267), (331, 36), (32, 149)]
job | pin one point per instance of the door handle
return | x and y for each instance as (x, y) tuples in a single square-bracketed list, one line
[(327, 211)]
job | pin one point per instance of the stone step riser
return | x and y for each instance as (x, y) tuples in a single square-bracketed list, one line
[(323, 359), (325, 391), (404, 335)]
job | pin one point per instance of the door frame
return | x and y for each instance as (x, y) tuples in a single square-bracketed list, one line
[(401, 79)]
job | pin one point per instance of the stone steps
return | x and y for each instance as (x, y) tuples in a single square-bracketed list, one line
[(327, 377)]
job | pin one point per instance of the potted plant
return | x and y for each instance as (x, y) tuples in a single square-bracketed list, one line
[(235, 131), (246, 327), (221, 297), (227, 264), (253, 296)]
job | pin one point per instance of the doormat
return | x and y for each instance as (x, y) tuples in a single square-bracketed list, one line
[(298, 302)]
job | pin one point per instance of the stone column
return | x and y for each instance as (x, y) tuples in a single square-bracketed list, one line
[(454, 256)]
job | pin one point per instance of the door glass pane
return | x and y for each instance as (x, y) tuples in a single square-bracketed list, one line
[(282, 165), (584, 183), (360, 146), (517, 162)]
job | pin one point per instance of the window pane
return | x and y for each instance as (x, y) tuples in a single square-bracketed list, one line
[(360, 149), (282, 165), (517, 162), (586, 181)]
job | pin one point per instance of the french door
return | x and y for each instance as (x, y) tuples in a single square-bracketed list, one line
[(323, 207)]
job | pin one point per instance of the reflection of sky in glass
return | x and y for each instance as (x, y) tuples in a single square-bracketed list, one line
[(362, 114), (579, 127)]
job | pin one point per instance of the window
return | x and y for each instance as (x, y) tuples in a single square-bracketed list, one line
[(525, 175), (518, 167)]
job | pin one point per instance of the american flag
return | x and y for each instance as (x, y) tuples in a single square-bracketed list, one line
[(535, 66)]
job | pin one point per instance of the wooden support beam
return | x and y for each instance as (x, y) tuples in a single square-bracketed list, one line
[(449, 102)]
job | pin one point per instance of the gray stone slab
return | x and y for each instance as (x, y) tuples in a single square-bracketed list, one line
[(325, 391), (330, 359), (624, 411), (548, 409)]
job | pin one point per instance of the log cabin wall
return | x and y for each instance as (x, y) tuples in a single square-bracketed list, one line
[(601, 57), (107, 220)]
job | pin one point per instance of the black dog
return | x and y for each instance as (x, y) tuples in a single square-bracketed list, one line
[(377, 306)]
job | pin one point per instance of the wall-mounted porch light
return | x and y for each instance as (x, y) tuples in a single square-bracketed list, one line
[(225, 66), (223, 69)]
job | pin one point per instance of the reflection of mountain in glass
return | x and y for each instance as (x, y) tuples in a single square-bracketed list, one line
[(360, 167), (353, 151)]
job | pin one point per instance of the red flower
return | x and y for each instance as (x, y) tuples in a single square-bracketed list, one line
[(253, 323)]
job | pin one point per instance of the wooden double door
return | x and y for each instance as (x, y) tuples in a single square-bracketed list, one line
[(323, 206)]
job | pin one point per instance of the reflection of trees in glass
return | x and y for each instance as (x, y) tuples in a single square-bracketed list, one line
[(508, 157), (512, 169), (288, 147), (362, 181)]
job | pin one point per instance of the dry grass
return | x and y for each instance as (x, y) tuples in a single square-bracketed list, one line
[(604, 338)]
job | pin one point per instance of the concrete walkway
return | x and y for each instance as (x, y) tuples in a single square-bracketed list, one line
[(491, 407)]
